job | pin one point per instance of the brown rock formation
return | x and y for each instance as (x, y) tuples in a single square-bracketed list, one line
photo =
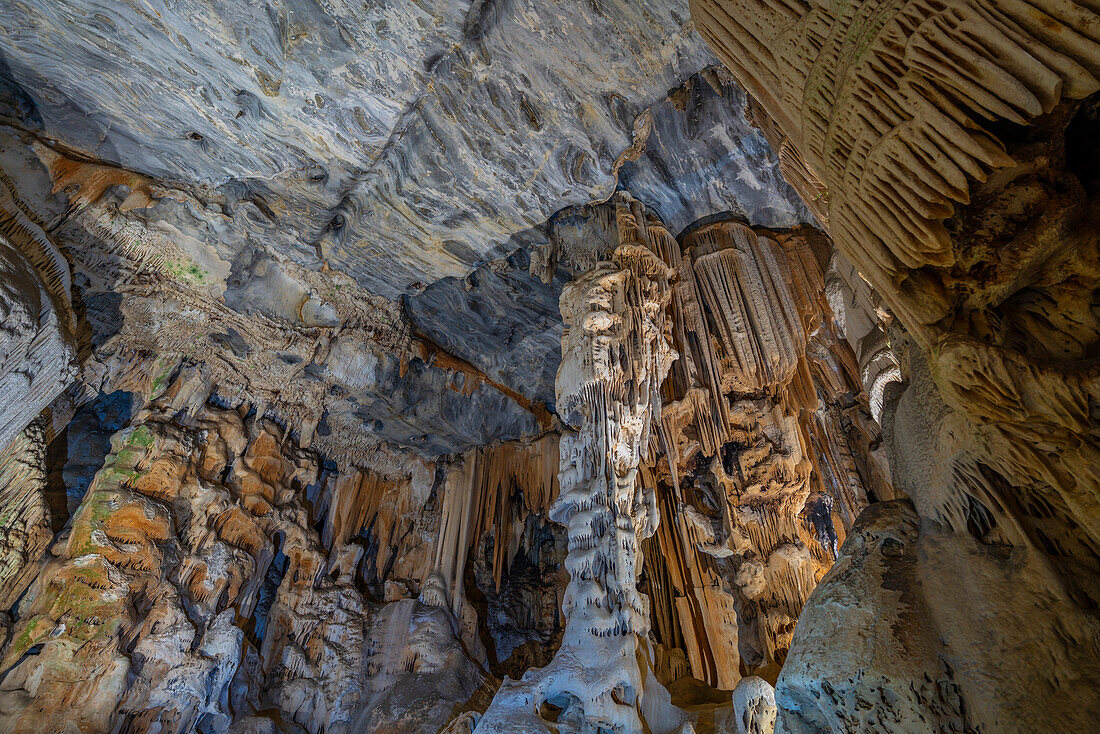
[(958, 163), (28, 530), (771, 443), (193, 589), (379, 595), (349, 495)]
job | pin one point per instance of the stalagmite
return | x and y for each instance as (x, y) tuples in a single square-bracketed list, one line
[(754, 706)]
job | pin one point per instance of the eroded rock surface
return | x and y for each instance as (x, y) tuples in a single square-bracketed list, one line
[(193, 589), (475, 366), (907, 660), (968, 200), (772, 445), (381, 140)]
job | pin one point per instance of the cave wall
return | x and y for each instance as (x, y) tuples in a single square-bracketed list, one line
[(947, 148), (337, 509)]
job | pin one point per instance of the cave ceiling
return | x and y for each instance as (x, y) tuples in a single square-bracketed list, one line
[(503, 366), (405, 159)]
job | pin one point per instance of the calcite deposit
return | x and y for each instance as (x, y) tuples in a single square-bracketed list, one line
[(487, 367), (950, 148)]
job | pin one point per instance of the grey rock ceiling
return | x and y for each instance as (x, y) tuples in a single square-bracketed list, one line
[(422, 148), (400, 142)]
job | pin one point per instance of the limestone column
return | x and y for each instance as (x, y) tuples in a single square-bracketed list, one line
[(616, 352)]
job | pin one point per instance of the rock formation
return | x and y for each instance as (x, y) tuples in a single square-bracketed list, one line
[(772, 447), (28, 529), (37, 341), (615, 355), (193, 588), (949, 147), (518, 366)]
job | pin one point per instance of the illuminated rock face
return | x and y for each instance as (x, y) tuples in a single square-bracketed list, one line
[(774, 449), (615, 355), (756, 398), (950, 149), (37, 340), (193, 590), (400, 145), (472, 366)]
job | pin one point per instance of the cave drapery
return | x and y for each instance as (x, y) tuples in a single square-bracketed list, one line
[(706, 366)]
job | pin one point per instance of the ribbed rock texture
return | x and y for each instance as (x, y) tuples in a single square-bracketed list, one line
[(28, 530), (615, 354), (770, 452), (489, 366), (950, 148), (37, 336)]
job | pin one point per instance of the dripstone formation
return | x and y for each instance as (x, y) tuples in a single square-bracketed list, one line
[(720, 366), (949, 148)]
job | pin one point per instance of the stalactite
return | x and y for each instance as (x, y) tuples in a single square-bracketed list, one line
[(38, 353), (952, 138), (519, 479), (747, 476), (912, 126), (24, 510), (364, 502)]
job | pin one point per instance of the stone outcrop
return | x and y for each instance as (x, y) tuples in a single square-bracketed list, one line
[(907, 590)]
